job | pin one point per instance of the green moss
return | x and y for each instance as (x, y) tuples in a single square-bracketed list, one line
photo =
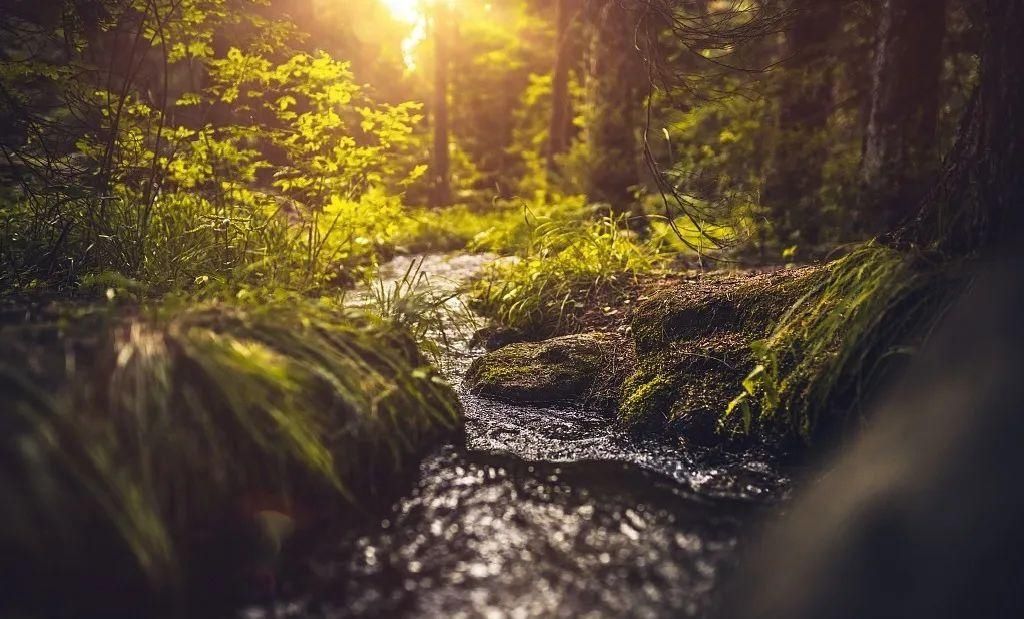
[(826, 355), (558, 369), (693, 344), (504, 370), (647, 394), (718, 302)]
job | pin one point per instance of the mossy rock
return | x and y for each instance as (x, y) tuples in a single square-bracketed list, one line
[(493, 337), (686, 386), (716, 303), (693, 345), (571, 367)]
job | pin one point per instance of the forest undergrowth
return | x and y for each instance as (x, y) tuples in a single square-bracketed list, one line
[(192, 191)]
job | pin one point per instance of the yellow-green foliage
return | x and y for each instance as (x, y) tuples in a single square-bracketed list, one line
[(717, 147), (530, 138), (524, 224), (453, 228), (562, 267), (149, 428), (500, 45), (645, 395), (688, 238), (299, 187), (828, 351)]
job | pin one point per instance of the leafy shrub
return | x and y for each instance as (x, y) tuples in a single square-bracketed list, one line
[(298, 184)]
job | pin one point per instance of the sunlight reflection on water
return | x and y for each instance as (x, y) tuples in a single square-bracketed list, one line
[(545, 511), (505, 537)]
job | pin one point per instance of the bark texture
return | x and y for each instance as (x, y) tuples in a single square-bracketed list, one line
[(615, 90), (979, 202), (899, 148), (441, 163), (561, 108)]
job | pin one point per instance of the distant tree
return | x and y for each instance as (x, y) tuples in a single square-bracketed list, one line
[(900, 142), (561, 108), (614, 96), (502, 50), (805, 101), (440, 169)]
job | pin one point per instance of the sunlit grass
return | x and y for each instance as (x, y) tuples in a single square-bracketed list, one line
[(562, 267), (827, 354), (432, 317), (683, 235), (502, 226)]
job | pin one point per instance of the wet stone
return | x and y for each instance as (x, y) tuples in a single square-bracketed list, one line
[(560, 369), (493, 337)]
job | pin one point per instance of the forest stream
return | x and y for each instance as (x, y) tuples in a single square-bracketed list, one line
[(544, 511), (775, 249)]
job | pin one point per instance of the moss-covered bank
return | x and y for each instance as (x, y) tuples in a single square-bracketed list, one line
[(722, 302), (135, 439), (693, 346), (843, 341), (671, 357), (790, 355)]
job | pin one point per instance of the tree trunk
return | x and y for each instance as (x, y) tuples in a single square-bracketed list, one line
[(561, 109), (615, 81), (805, 105), (441, 194), (978, 203), (899, 150), (897, 555)]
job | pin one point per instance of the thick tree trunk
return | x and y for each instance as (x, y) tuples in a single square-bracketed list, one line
[(894, 533), (561, 108), (441, 164), (899, 149), (979, 202), (615, 82), (805, 105)]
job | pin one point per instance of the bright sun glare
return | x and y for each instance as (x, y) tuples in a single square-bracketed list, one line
[(410, 12), (414, 13)]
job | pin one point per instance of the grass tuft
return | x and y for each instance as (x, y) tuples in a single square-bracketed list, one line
[(150, 428), (829, 352), (562, 268), (504, 226)]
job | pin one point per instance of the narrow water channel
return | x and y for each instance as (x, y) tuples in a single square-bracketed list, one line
[(543, 512)]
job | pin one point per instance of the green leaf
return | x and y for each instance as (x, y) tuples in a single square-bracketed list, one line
[(754, 380)]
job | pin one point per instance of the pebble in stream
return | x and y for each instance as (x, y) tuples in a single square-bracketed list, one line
[(548, 512)]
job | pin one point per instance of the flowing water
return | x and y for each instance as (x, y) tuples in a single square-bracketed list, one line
[(544, 511)]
